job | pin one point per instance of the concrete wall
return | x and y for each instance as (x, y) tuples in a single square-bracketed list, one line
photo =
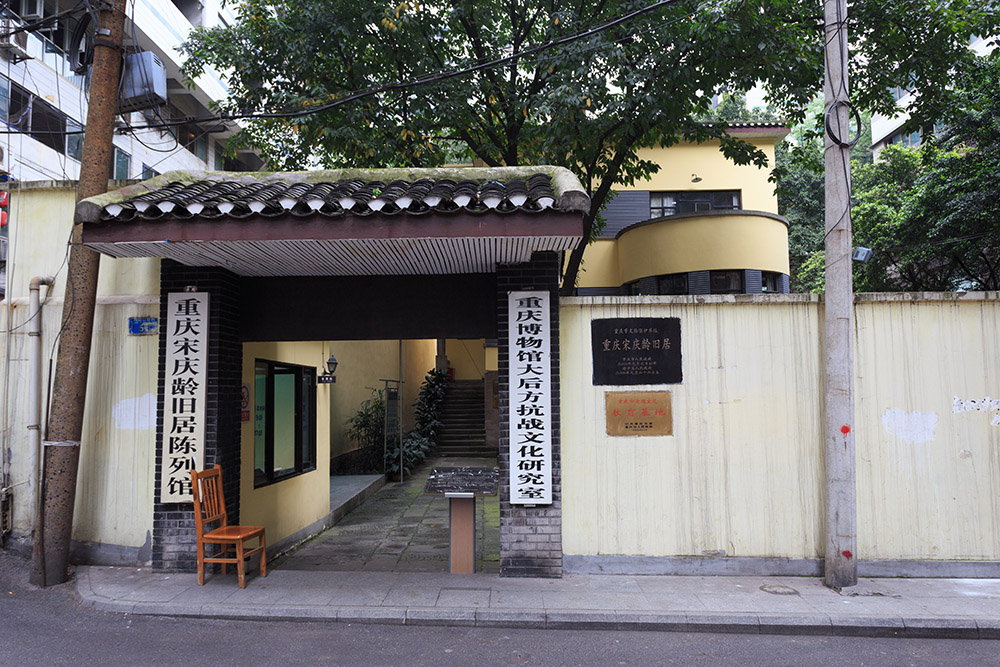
[(742, 475), (114, 500)]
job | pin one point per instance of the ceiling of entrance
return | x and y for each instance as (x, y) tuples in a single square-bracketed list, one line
[(342, 223)]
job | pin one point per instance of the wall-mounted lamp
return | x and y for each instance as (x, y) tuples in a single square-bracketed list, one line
[(861, 254), (695, 178), (329, 368)]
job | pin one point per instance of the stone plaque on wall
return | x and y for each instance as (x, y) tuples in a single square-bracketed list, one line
[(636, 350), (638, 413)]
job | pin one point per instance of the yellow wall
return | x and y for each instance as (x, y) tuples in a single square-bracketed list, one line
[(679, 162), (467, 357), (928, 476), (41, 220), (290, 505), (362, 365), (114, 499), (703, 243), (695, 243), (743, 473)]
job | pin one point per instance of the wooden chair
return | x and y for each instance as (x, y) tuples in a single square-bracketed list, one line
[(209, 507)]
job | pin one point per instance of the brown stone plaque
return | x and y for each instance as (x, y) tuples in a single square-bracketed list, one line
[(638, 413)]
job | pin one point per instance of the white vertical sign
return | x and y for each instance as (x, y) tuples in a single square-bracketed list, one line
[(185, 378), (530, 398)]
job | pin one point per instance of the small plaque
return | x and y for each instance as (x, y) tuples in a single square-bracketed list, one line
[(636, 350), (638, 413), (143, 326), (467, 481)]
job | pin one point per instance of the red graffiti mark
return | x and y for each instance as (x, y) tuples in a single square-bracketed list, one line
[(846, 554), (845, 429)]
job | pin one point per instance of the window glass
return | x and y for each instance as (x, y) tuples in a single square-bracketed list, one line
[(123, 164), (74, 139), (148, 172), (285, 417), (674, 283), (284, 421), (770, 281), (726, 282), (260, 421), (692, 201)]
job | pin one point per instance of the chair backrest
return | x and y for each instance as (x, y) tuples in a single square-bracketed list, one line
[(209, 505)]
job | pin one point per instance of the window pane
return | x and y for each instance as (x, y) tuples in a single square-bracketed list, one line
[(17, 111), (74, 142), (308, 412), (123, 164), (284, 420), (48, 125), (726, 282), (260, 423)]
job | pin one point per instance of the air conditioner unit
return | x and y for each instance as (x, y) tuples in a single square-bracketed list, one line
[(32, 10), (144, 82), (13, 46)]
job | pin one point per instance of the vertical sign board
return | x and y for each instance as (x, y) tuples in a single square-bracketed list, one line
[(530, 398), (184, 393)]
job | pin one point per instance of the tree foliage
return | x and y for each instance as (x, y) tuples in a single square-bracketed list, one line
[(588, 105), (931, 214)]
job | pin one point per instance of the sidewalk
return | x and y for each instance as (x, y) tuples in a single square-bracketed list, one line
[(952, 608), (386, 562)]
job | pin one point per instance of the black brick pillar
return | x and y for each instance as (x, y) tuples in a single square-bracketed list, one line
[(173, 523), (530, 537)]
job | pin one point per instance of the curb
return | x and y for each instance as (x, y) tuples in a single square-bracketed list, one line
[(740, 622)]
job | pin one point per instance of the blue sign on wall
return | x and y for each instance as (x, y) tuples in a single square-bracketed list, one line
[(143, 326)]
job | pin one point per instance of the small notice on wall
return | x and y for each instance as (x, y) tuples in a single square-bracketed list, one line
[(636, 350), (638, 413)]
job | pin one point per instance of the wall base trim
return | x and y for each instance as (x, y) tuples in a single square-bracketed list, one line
[(774, 566)]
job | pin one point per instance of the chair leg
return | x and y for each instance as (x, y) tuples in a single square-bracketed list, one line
[(241, 564), (224, 553), (201, 564), (263, 557)]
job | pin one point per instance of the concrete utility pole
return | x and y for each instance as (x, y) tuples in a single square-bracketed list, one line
[(840, 565), (50, 557)]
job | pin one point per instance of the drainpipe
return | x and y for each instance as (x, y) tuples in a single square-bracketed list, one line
[(35, 393)]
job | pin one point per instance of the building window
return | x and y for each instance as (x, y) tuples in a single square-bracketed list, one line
[(123, 165), (74, 139), (148, 172), (284, 424), (907, 139), (770, 282), (662, 204), (673, 283), (25, 112), (726, 282)]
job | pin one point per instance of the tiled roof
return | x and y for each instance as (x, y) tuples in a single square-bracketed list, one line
[(247, 196)]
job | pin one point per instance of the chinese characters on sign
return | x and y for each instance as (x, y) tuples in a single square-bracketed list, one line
[(636, 350), (530, 398), (184, 393), (638, 413)]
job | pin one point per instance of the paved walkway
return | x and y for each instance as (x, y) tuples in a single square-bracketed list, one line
[(399, 529), (386, 562)]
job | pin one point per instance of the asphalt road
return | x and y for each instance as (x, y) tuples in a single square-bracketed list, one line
[(47, 627)]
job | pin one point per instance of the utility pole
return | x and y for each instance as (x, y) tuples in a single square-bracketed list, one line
[(840, 564), (54, 523)]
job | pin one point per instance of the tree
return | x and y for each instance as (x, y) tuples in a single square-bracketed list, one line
[(931, 214), (800, 187), (588, 104)]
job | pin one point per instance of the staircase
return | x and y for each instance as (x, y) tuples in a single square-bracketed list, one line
[(462, 433)]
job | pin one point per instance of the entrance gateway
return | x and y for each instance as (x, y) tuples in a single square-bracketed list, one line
[(352, 255)]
